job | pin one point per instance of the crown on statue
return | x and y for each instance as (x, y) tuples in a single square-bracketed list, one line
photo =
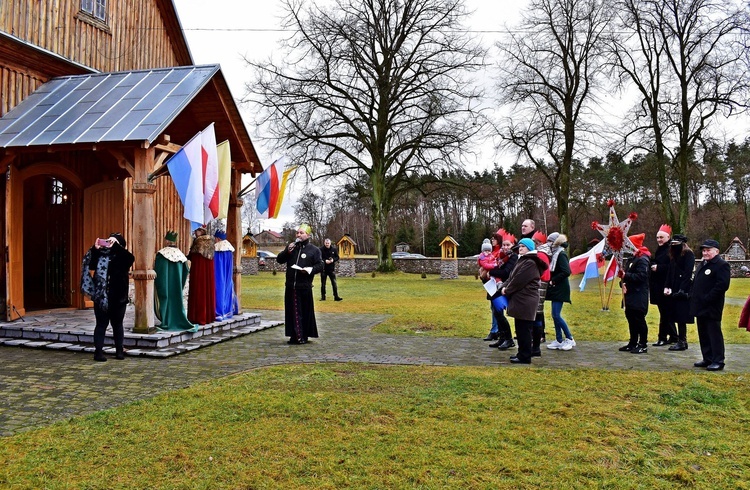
[(171, 236)]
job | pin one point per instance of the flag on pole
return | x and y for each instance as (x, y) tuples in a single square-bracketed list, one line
[(578, 263), (612, 269), (225, 177), (210, 173), (592, 258), (282, 191), (268, 190), (185, 168)]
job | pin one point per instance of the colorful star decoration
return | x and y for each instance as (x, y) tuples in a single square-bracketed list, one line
[(616, 234)]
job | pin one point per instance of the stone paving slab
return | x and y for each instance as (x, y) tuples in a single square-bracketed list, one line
[(41, 386), (71, 329)]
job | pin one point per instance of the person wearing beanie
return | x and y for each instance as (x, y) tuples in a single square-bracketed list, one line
[(707, 304), (558, 292), (677, 288), (171, 270), (104, 277), (634, 283), (660, 264), (543, 249), (522, 290), (226, 297)]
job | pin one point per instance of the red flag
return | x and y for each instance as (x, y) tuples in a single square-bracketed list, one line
[(612, 270)]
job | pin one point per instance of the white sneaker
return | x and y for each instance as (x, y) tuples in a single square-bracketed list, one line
[(574, 341), (567, 344), (555, 345)]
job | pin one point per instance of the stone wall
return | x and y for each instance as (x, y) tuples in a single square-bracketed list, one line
[(466, 267)]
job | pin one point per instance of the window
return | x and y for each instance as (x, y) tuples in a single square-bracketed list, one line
[(97, 8), (58, 193)]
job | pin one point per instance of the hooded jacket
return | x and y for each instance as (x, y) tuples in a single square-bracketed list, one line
[(522, 287)]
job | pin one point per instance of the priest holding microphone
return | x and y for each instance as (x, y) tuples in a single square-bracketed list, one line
[(303, 260)]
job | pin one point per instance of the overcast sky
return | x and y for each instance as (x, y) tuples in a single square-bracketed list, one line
[(223, 31)]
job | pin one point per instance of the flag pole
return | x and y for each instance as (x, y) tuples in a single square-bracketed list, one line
[(602, 292), (611, 288), (246, 189)]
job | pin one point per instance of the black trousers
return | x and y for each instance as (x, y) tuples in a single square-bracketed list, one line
[(523, 335), (503, 326), (637, 326), (667, 330), (711, 339), (113, 315), (323, 276)]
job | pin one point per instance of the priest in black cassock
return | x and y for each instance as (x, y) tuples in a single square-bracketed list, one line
[(303, 260)]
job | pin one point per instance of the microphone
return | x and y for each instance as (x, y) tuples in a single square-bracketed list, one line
[(294, 244), (297, 240)]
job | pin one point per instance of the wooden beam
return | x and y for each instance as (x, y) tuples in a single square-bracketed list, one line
[(7, 160), (122, 161)]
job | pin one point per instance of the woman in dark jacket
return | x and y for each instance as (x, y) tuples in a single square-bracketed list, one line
[(522, 290), (657, 282), (505, 266), (105, 279), (558, 292), (677, 288), (635, 296)]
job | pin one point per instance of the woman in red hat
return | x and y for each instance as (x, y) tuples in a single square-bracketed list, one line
[(634, 282)]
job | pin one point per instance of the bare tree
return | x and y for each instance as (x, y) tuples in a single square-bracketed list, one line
[(687, 58), (549, 70), (375, 91)]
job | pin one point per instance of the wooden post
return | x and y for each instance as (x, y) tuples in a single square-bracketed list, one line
[(144, 241), (234, 232)]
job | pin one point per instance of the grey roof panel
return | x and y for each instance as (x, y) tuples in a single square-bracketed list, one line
[(103, 107)]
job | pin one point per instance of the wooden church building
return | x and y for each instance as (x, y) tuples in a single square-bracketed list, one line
[(94, 96)]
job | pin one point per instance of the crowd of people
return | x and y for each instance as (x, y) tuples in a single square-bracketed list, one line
[(521, 275)]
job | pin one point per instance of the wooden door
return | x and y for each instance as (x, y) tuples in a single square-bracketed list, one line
[(14, 245)]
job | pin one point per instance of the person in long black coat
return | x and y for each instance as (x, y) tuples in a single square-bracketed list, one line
[(707, 305), (635, 296), (660, 261), (677, 288), (303, 260)]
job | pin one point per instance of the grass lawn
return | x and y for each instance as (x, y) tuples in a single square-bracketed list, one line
[(458, 308), (335, 426)]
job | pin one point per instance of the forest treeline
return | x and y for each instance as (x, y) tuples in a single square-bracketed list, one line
[(472, 206)]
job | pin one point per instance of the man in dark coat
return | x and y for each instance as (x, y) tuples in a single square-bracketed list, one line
[(330, 255), (659, 270), (635, 296), (303, 260), (707, 305)]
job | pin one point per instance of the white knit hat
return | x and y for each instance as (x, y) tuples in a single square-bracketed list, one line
[(486, 245)]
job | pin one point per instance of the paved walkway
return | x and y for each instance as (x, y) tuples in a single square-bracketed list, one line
[(39, 386)]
